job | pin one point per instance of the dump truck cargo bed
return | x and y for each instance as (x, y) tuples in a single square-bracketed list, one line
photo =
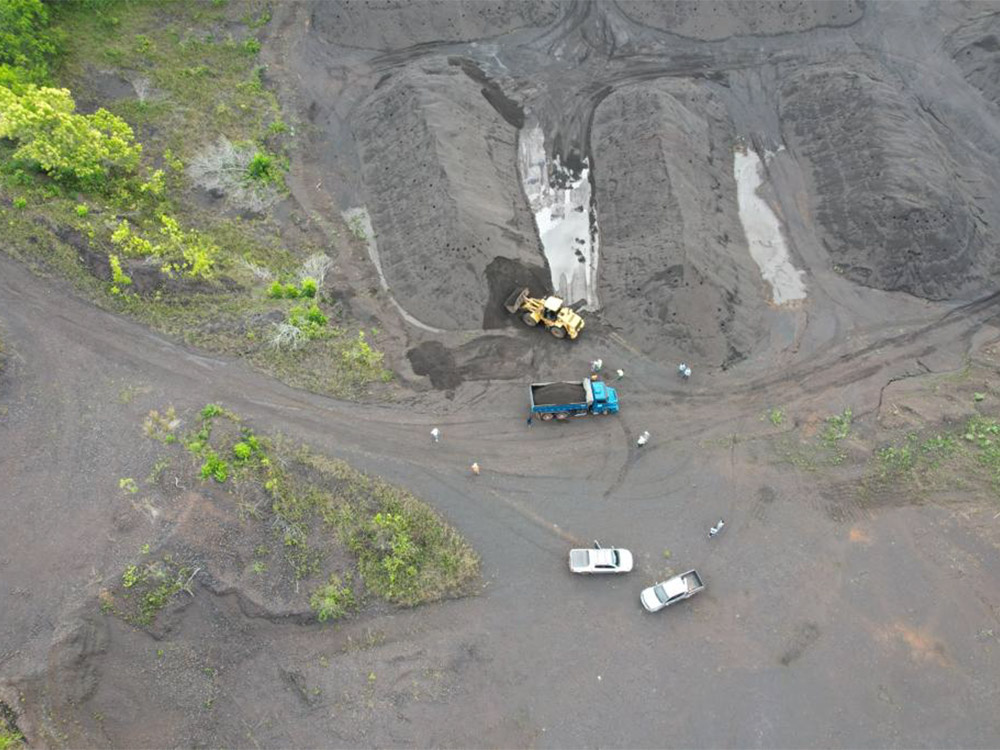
[(559, 393)]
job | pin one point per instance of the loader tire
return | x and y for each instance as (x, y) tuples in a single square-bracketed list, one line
[(529, 320), (559, 333)]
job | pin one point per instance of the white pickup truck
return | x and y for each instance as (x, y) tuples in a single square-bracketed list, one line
[(671, 591), (600, 560)]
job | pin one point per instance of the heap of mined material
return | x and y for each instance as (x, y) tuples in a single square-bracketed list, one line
[(395, 24), (440, 172), (891, 211), (718, 19), (675, 272)]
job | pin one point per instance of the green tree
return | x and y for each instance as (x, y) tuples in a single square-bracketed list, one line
[(81, 150), (26, 42)]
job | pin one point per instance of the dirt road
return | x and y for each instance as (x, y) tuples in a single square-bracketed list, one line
[(871, 629)]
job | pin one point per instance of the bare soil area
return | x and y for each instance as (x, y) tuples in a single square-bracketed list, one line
[(849, 439)]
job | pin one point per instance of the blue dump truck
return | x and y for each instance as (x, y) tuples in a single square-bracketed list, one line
[(577, 398)]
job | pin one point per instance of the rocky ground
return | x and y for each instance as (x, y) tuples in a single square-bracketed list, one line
[(852, 599)]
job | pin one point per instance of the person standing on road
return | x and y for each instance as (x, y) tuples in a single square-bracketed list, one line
[(683, 370), (620, 374), (436, 435), (643, 439), (712, 532), (596, 365), (529, 420), (475, 469)]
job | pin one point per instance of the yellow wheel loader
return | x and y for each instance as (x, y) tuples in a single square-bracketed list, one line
[(561, 321)]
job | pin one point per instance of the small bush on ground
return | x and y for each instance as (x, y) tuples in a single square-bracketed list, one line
[(187, 252), (332, 601)]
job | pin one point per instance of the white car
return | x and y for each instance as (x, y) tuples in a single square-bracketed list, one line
[(600, 560), (671, 591)]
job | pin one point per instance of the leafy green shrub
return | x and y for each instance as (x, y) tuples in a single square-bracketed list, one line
[(361, 354), (118, 278), (214, 467), (186, 252), (261, 167), (10, 739), (26, 42), (82, 210), (251, 45), (211, 410), (84, 151), (332, 601), (838, 427), (309, 287), (314, 315), (20, 202), (276, 290), (291, 291), (308, 323), (242, 451), (133, 575)]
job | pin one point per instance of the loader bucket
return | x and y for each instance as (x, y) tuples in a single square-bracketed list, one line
[(516, 299)]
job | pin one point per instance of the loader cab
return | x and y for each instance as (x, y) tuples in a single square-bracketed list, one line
[(551, 308)]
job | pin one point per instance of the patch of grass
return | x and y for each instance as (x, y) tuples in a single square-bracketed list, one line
[(405, 551), (356, 225), (162, 427), (156, 473), (333, 600), (776, 416), (11, 739), (146, 588), (837, 428)]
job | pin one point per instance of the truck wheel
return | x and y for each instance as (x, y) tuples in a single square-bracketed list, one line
[(559, 333), (546, 417), (562, 416), (529, 320)]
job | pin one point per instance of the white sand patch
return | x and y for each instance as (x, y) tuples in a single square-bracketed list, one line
[(359, 218), (562, 214), (763, 230)]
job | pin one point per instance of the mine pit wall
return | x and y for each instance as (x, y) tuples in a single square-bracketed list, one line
[(890, 211), (675, 270), (439, 165)]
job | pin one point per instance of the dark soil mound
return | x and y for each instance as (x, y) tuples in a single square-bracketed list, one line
[(718, 19), (891, 208), (439, 167), (674, 268)]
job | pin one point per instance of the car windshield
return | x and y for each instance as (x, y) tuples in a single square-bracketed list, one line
[(661, 594), (615, 560)]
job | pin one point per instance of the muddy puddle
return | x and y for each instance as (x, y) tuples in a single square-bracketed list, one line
[(560, 199), (763, 229)]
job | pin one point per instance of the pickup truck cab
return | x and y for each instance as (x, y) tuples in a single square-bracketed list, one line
[(600, 560), (577, 398), (671, 591)]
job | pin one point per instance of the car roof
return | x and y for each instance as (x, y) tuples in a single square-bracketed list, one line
[(602, 556), (674, 587)]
